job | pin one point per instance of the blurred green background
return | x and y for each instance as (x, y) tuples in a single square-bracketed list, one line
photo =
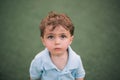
[(97, 35)]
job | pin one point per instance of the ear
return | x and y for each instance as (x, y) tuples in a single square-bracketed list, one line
[(71, 39), (42, 39)]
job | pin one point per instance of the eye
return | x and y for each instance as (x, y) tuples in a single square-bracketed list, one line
[(63, 36), (50, 37)]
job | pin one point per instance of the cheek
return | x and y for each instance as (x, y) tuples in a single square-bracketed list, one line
[(47, 44), (67, 42)]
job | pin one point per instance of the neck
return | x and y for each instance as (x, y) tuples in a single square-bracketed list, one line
[(59, 55), (60, 60)]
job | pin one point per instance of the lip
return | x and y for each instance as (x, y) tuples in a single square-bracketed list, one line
[(57, 48)]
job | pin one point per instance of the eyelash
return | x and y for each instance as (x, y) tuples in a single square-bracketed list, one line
[(63, 36), (52, 37)]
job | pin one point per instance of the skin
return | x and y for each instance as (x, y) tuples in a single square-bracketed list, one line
[(57, 41)]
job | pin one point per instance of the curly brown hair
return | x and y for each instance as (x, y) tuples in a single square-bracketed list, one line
[(54, 19)]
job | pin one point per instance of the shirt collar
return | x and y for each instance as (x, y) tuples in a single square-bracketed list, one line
[(48, 64), (71, 64), (72, 61)]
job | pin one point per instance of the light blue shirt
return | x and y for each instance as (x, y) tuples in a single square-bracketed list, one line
[(43, 68)]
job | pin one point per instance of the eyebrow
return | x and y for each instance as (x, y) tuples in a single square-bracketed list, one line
[(54, 34), (49, 34)]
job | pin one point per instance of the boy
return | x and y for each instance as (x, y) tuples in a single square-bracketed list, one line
[(58, 61)]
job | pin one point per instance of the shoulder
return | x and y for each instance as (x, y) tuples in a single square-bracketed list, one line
[(77, 66), (36, 66), (41, 54), (73, 54), (74, 58), (40, 57)]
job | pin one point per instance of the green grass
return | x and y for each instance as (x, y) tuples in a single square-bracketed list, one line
[(97, 35)]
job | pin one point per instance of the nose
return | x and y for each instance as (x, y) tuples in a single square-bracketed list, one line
[(57, 41)]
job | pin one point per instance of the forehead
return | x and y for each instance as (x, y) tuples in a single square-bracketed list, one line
[(51, 29)]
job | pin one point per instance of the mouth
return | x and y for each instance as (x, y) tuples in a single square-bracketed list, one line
[(57, 49)]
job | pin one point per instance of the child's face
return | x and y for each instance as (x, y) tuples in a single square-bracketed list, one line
[(57, 40)]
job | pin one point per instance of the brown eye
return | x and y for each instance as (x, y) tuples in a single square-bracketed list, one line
[(50, 37), (63, 36)]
